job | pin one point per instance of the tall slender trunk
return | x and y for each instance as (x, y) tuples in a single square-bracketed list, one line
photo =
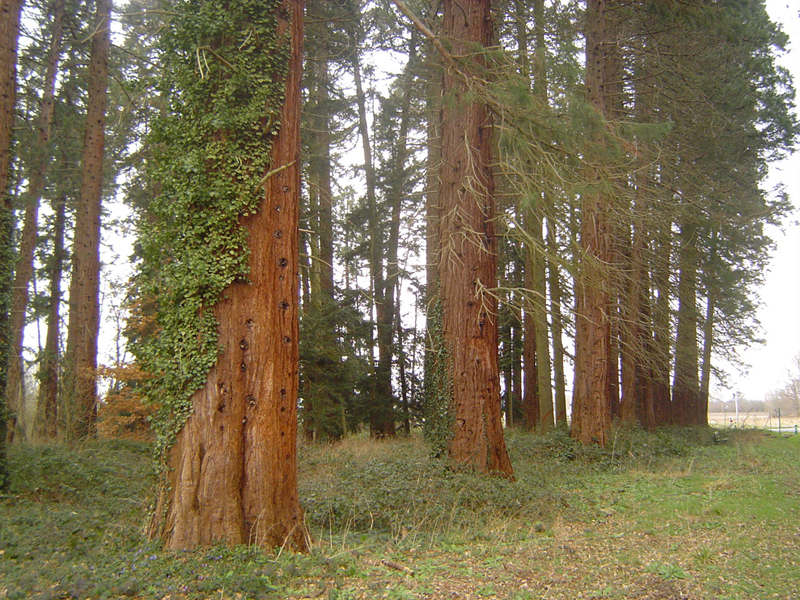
[(436, 395), (468, 252), (634, 348), (80, 379), (538, 263), (530, 394), (9, 33), (391, 323), (686, 386), (49, 366), (514, 399), (636, 341), (591, 411), (29, 234), (324, 416), (708, 333), (662, 336), (432, 166), (381, 420), (554, 282)]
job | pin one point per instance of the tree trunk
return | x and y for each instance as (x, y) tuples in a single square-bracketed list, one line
[(708, 333), (537, 251), (49, 366), (232, 472), (468, 253), (321, 410), (80, 360), (686, 386), (436, 397), (9, 34), (381, 420), (29, 235), (530, 393), (591, 411), (514, 400), (662, 401), (391, 323), (554, 281)]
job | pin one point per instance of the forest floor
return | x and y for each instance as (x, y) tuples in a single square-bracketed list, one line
[(666, 516)]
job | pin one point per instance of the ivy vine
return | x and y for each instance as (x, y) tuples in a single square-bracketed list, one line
[(224, 73), (438, 399)]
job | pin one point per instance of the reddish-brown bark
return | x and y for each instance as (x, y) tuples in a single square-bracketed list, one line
[(9, 34), (468, 251), (80, 381), (662, 401), (233, 468), (591, 409), (686, 383)]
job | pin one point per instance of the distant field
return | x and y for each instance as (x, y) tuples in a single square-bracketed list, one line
[(759, 420)]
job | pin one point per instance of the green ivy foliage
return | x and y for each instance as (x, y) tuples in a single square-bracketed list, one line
[(438, 401), (224, 72)]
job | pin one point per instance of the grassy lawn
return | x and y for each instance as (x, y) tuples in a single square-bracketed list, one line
[(665, 516)]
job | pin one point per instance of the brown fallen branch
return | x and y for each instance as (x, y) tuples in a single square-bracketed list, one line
[(397, 566)]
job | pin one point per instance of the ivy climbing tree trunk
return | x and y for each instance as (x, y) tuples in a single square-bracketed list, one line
[(48, 367), (468, 253), (9, 33), (232, 470), (80, 381)]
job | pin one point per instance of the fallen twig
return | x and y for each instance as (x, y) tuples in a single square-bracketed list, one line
[(397, 566)]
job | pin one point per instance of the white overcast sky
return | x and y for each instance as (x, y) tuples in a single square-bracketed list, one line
[(780, 313)]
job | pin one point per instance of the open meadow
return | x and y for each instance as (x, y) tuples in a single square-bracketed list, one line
[(670, 515)]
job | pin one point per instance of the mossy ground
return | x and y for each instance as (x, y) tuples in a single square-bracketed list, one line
[(664, 516)]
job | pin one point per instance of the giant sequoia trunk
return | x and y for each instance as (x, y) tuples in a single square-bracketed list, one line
[(468, 252), (9, 33), (80, 381), (662, 400), (591, 408), (232, 471), (686, 384)]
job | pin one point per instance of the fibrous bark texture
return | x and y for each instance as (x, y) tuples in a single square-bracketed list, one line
[(9, 33), (468, 251), (232, 471), (591, 408), (80, 381)]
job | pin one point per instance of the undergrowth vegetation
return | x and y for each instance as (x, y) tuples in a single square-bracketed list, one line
[(653, 516)]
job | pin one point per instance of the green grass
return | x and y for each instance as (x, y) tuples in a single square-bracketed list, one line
[(661, 516)]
